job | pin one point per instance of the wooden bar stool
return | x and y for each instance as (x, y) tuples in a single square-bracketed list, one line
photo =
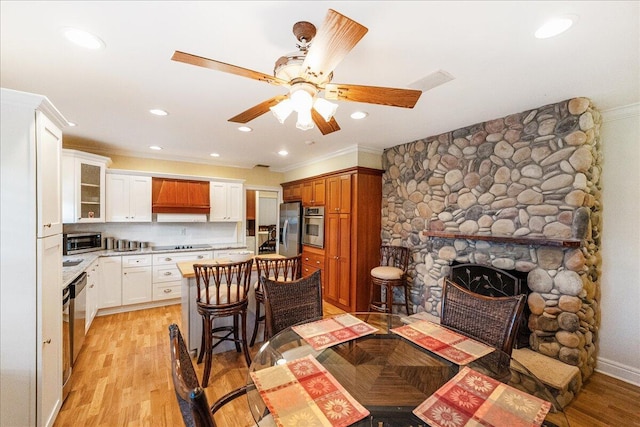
[(394, 261), (223, 291)]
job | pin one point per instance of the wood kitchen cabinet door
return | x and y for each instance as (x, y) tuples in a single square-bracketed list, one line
[(339, 194), (292, 192), (338, 258), (313, 192)]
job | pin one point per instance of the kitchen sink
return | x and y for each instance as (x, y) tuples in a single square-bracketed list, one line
[(72, 262)]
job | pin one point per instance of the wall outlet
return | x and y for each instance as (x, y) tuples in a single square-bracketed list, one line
[(183, 231)]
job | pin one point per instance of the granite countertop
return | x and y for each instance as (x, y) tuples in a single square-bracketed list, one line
[(186, 267), (70, 273)]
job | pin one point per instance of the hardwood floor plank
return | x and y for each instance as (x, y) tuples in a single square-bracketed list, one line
[(123, 378)]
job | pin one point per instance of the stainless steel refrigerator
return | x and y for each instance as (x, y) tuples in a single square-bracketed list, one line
[(290, 229)]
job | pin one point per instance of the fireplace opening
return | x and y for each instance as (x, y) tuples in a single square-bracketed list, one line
[(490, 281)]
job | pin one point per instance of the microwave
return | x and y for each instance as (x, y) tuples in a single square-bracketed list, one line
[(313, 227), (78, 243)]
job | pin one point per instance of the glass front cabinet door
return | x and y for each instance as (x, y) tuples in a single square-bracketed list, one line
[(83, 184)]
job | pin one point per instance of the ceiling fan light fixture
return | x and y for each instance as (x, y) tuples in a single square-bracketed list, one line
[(325, 108), (83, 38), (282, 110), (302, 97), (304, 120)]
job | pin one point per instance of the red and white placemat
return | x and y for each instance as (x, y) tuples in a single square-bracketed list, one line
[(303, 392), (444, 342), (472, 399), (335, 330)]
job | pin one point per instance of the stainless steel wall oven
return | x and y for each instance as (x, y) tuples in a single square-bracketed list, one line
[(313, 227)]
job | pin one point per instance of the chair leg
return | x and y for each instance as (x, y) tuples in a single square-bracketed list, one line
[(406, 299), (202, 341), (236, 335), (256, 324), (389, 302), (245, 347), (206, 333)]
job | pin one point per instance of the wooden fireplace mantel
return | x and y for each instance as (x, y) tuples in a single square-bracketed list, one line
[(522, 240)]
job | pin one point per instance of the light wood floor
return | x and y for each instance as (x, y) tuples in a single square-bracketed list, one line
[(123, 378)]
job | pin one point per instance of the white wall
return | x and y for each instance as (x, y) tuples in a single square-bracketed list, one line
[(619, 354)]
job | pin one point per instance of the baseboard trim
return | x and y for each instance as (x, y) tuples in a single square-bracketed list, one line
[(134, 307), (625, 373)]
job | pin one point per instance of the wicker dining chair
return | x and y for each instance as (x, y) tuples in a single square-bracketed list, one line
[(492, 320), (283, 269), (389, 274), (290, 303), (191, 397), (223, 291)]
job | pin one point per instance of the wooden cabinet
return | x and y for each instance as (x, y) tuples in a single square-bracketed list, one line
[(251, 205), (31, 263), (292, 192), (338, 263), (312, 260), (170, 195), (226, 202), (93, 286), (83, 187), (313, 192), (339, 194), (128, 198), (352, 236), (110, 290), (136, 279)]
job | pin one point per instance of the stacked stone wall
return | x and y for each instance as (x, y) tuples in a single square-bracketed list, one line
[(530, 174)]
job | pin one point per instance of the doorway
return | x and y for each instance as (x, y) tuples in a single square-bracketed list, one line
[(262, 220)]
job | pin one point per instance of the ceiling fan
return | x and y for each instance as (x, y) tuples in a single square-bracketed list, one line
[(309, 71)]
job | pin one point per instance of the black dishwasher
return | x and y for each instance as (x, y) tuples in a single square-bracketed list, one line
[(78, 314)]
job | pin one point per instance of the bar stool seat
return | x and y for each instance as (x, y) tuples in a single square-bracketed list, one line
[(394, 261)]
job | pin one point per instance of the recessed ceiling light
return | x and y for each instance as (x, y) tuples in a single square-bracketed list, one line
[(554, 27), (214, 155), (283, 152), (83, 38), (357, 115), (245, 129), (158, 112), (72, 124), (155, 147)]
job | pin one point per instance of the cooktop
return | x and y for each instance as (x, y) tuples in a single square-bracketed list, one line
[(180, 247)]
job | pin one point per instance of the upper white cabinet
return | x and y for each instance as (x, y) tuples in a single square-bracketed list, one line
[(49, 185), (128, 198), (83, 187), (226, 201)]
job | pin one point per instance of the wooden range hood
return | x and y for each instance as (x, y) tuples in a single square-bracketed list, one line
[(180, 196)]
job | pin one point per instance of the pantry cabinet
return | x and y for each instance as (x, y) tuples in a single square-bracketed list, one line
[(128, 198), (83, 187), (226, 201)]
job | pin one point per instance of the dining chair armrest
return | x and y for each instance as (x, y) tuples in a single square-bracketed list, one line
[(228, 398)]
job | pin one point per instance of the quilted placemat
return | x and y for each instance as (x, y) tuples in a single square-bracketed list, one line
[(335, 330), (444, 342), (303, 392), (471, 399)]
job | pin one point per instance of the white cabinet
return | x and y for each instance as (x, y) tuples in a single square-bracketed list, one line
[(128, 198), (226, 201), (83, 187), (136, 279), (166, 275), (110, 290), (31, 261), (93, 286)]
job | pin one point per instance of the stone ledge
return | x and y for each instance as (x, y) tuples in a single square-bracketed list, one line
[(564, 379)]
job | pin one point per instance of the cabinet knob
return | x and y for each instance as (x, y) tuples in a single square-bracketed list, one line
[(167, 273), (337, 257), (48, 225), (47, 341), (337, 209), (200, 256), (91, 286), (167, 291), (167, 259), (306, 259)]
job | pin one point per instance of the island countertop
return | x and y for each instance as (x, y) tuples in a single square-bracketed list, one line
[(186, 267)]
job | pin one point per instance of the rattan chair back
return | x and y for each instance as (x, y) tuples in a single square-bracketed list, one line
[(222, 287), (394, 256), (290, 303), (191, 397), (492, 320)]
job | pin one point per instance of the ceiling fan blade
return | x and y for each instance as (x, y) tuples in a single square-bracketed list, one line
[(257, 110), (324, 127), (337, 36), (200, 61), (406, 98)]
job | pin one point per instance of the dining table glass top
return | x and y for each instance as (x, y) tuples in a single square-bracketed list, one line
[(386, 373)]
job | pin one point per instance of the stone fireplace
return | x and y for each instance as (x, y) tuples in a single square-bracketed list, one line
[(517, 193)]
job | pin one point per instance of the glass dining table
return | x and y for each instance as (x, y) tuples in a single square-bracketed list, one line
[(389, 375)]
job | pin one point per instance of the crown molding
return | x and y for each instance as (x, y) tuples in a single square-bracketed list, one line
[(348, 150), (619, 113)]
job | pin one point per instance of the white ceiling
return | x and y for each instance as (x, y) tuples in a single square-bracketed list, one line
[(499, 69)]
